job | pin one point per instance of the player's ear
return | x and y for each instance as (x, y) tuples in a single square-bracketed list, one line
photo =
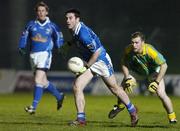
[(143, 41), (77, 19)]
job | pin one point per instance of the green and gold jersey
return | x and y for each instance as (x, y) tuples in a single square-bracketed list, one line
[(145, 63)]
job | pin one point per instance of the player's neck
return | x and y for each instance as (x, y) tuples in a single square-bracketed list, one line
[(42, 21), (76, 26), (140, 51)]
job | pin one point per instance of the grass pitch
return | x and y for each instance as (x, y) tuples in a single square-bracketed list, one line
[(13, 117)]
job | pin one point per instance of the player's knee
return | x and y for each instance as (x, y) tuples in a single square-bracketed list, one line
[(76, 87), (40, 81), (114, 89), (161, 94)]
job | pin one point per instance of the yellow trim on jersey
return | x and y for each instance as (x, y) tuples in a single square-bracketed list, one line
[(144, 49), (147, 49)]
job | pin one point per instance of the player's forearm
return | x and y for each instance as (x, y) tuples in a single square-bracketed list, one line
[(58, 39), (93, 58), (23, 39), (125, 71), (162, 72)]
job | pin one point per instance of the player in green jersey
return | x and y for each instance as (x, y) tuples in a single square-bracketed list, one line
[(141, 61)]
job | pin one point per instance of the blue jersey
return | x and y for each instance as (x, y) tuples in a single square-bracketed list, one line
[(42, 36), (88, 42)]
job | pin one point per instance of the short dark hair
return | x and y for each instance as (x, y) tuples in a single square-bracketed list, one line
[(75, 11), (138, 34), (41, 3)]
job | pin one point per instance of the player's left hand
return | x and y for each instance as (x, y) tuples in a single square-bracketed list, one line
[(22, 51), (153, 86)]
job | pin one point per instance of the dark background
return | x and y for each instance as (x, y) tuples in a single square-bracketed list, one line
[(113, 21)]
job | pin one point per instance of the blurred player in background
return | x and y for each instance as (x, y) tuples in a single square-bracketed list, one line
[(42, 34), (141, 61), (98, 62)]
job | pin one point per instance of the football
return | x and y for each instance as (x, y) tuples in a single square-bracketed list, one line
[(75, 64)]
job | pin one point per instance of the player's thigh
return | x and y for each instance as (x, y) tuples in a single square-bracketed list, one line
[(110, 81), (40, 77), (161, 88), (82, 80)]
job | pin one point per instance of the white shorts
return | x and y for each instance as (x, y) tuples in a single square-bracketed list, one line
[(41, 59), (103, 67)]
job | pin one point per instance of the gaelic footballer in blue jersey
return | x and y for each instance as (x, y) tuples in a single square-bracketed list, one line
[(42, 35), (98, 62), (141, 61)]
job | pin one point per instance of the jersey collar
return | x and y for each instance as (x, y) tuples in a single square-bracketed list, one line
[(47, 21), (77, 29)]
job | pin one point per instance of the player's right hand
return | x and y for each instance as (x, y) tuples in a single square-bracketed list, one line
[(82, 70), (129, 84), (22, 51)]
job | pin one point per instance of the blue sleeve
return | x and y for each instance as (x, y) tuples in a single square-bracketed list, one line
[(24, 35), (87, 40), (57, 36)]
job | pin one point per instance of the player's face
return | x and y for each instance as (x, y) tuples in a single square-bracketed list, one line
[(41, 13), (137, 44), (71, 21)]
